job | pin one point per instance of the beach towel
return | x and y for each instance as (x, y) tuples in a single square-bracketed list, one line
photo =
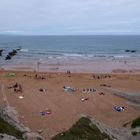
[(10, 75), (45, 113), (69, 89), (20, 97)]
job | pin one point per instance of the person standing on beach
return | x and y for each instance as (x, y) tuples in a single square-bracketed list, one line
[(38, 64), (125, 62)]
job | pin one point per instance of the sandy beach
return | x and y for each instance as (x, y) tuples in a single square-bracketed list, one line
[(67, 107)]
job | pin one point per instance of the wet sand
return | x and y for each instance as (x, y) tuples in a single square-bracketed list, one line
[(96, 65), (67, 107)]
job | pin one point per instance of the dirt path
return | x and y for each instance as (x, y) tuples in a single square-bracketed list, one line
[(4, 96)]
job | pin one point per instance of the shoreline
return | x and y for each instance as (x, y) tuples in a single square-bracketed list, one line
[(74, 64), (77, 67)]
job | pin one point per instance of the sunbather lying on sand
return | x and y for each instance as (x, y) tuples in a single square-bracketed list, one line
[(101, 93), (43, 90), (88, 90), (39, 77), (118, 108), (104, 85), (46, 112), (84, 99)]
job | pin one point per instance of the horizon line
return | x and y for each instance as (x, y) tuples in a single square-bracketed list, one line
[(69, 34)]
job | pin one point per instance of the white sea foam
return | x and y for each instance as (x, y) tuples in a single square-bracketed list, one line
[(122, 56), (24, 50), (72, 55)]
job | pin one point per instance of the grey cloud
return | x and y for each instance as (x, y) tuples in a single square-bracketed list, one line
[(69, 17)]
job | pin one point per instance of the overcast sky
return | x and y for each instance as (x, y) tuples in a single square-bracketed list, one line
[(60, 17)]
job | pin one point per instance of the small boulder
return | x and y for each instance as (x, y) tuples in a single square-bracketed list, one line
[(32, 136)]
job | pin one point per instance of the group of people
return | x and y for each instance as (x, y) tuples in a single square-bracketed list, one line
[(94, 76), (71, 89), (88, 90), (39, 77), (17, 88), (69, 73)]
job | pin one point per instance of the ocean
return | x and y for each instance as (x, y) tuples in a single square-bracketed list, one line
[(57, 49)]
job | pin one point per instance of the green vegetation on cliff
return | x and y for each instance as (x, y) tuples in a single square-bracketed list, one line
[(9, 130), (82, 130), (136, 123)]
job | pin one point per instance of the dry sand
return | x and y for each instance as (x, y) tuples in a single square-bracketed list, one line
[(67, 107)]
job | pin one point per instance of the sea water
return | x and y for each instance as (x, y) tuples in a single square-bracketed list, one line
[(53, 49)]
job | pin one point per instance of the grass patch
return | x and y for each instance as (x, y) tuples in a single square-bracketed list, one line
[(82, 130), (136, 123), (9, 130), (134, 133)]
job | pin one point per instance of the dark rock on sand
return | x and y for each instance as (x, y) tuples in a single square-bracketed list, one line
[(14, 52), (11, 54), (1, 52), (8, 57), (7, 137), (132, 51)]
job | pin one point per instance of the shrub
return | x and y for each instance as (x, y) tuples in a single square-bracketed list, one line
[(134, 133), (9, 130), (136, 123)]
